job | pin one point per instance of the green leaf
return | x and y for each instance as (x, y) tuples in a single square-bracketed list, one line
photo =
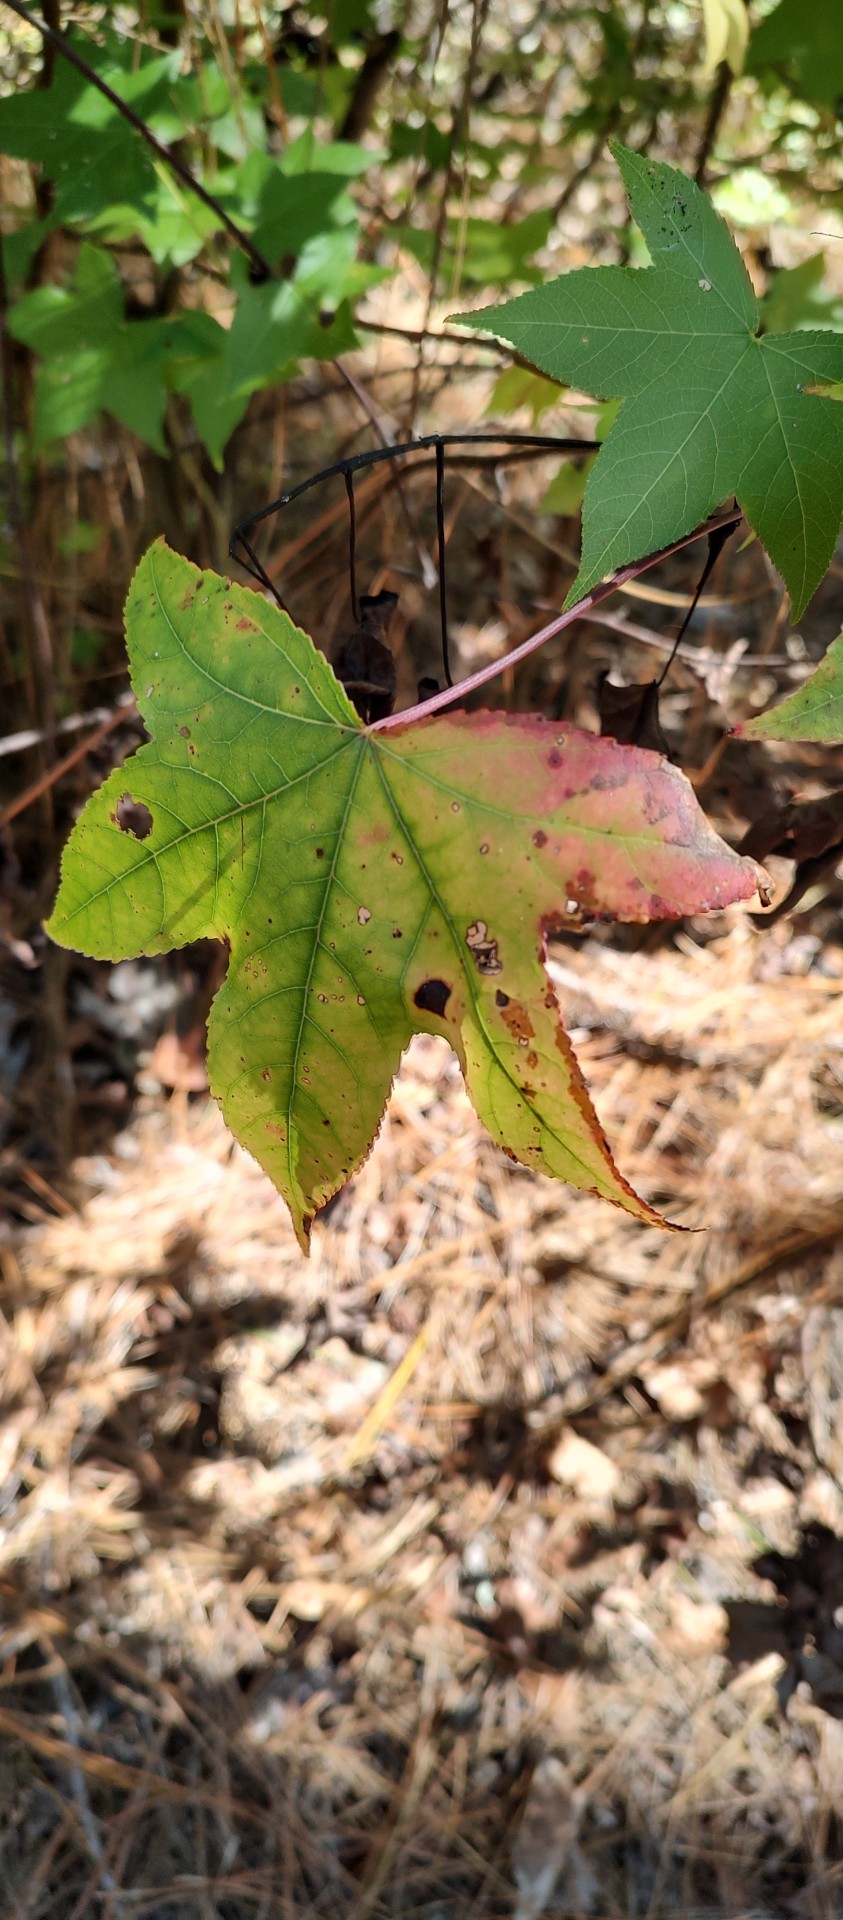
[(517, 387), (567, 488), (565, 493), (798, 298), (710, 408), (814, 712), (274, 327), (174, 226), (368, 884), (342, 157), (105, 176), (483, 252), (295, 208), (802, 42), (419, 143), (233, 122), (84, 144), (92, 358)]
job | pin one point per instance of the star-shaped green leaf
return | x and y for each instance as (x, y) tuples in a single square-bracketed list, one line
[(91, 357), (369, 884), (711, 407), (813, 712)]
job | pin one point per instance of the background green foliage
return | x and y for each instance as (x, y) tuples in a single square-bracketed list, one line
[(342, 140)]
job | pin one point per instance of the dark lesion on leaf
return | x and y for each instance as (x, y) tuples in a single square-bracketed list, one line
[(432, 997), (132, 816)]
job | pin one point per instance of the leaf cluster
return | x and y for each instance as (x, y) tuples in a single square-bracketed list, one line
[(321, 138)]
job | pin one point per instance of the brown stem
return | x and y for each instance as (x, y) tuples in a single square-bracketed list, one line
[(716, 108)]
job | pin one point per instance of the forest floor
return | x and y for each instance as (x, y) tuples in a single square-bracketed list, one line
[(490, 1562)]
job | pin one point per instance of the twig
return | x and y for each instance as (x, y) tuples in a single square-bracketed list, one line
[(48, 779), (33, 736), (42, 691), (479, 679), (716, 109)]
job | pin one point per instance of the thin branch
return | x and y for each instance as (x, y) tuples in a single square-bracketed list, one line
[(716, 109), (61, 45), (47, 780), (436, 334), (30, 737), (566, 619)]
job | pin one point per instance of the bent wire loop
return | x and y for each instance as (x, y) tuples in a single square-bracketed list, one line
[(240, 544)]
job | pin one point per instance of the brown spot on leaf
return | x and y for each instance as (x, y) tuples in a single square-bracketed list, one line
[(483, 949), (540, 837), (501, 998), (244, 625), (132, 816), (517, 1020), (432, 997)]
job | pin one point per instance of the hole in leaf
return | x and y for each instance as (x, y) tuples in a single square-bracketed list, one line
[(432, 997), (132, 816)]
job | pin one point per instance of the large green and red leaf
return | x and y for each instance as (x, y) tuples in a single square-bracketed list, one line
[(369, 883)]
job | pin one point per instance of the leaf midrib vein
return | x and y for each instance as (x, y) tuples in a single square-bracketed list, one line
[(435, 895)]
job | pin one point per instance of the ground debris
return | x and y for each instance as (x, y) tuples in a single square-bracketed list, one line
[(488, 1563)]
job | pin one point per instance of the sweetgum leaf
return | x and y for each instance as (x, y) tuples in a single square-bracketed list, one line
[(368, 884), (814, 712), (91, 357), (82, 142), (711, 407)]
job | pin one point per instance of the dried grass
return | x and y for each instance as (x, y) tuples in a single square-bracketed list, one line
[(486, 1564)]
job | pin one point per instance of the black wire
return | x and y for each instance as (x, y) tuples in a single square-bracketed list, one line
[(440, 551), (716, 542), (374, 455), (352, 546), (259, 573)]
